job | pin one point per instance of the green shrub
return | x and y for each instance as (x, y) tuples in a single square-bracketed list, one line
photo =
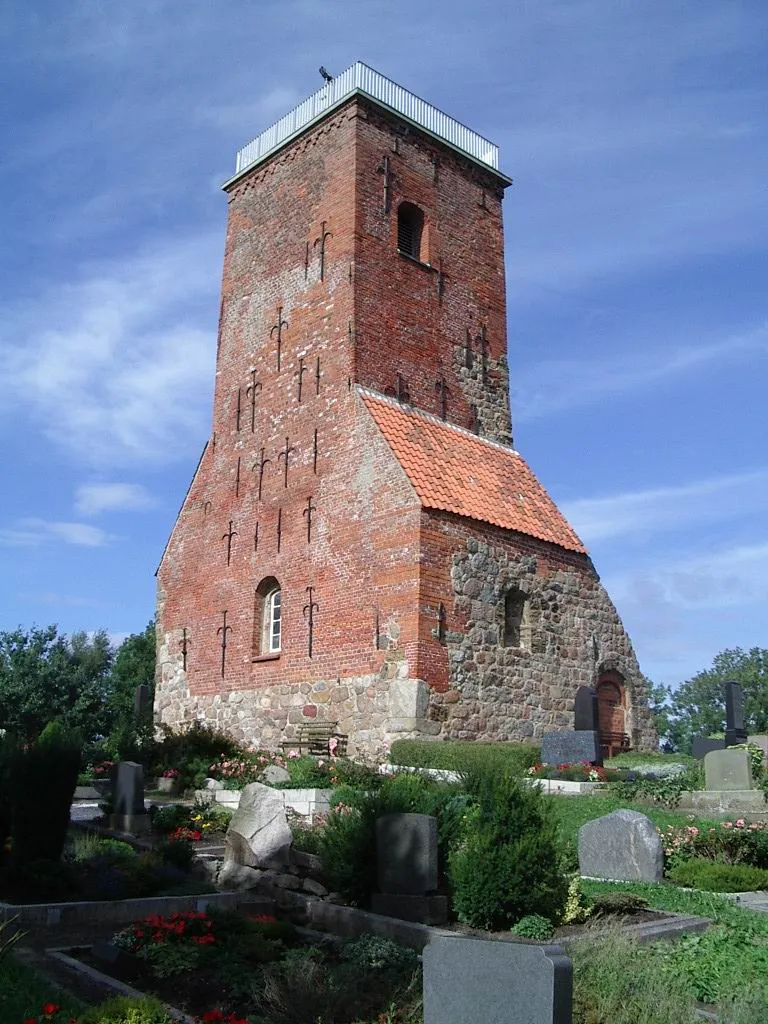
[(712, 876), (43, 778), (374, 953), (508, 862), (533, 926), (192, 751), (178, 852), (86, 845), (124, 1010), (463, 755)]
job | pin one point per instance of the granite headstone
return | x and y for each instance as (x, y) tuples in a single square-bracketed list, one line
[(624, 846), (735, 732), (571, 747), (406, 863), (703, 744), (585, 709), (727, 770), (258, 833), (128, 812), (140, 703), (467, 980)]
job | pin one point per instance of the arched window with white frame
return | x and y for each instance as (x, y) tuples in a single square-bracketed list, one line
[(268, 619)]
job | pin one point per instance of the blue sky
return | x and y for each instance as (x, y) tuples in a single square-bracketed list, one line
[(636, 134)]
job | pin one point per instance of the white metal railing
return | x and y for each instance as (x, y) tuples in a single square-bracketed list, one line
[(360, 78)]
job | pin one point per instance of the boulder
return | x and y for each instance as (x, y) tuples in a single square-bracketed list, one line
[(258, 834), (624, 846), (275, 773)]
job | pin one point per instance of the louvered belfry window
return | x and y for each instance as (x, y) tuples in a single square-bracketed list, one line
[(410, 225)]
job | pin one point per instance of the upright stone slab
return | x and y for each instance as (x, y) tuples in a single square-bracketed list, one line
[(258, 834), (585, 709), (703, 744), (727, 770), (128, 813), (406, 866), (406, 853), (624, 846), (735, 731), (570, 747), (760, 740), (468, 980), (141, 705)]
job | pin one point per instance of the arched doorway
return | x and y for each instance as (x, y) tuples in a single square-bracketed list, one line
[(611, 713)]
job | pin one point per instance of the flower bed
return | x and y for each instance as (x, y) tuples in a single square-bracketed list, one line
[(220, 965)]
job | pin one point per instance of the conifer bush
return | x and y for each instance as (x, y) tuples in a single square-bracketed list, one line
[(508, 863), (42, 783)]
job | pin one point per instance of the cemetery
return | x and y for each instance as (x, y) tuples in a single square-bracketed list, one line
[(402, 893)]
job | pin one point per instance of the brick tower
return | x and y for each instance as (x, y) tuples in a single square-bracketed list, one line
[(360, 544)]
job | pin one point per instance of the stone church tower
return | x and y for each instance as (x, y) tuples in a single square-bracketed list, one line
[(360, 543)]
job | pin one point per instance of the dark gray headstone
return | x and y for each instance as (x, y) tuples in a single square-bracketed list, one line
[(425, 909), (735, 732), (140, 703), (585, 709), (128, 788), (703, 744), (570, 747), (467, 980), (406, 853), (623, 845)]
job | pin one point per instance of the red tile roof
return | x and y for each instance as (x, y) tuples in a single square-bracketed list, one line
[(454, 470)]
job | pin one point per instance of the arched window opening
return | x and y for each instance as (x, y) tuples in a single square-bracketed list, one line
[(268, 619), (517, 620), (410, 228)]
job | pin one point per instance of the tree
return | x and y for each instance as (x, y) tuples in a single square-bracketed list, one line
[(45, 676), (658, 705), (697, 706)]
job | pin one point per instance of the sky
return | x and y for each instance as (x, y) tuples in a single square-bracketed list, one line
[(636, 234)]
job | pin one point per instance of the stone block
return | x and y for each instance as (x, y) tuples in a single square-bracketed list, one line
[(585, 709), (703, 744), (258, 834), (570, 747), (467, 980), (128, 788), (727, 770), (623, 845), (406, 853), (424, 909), (761, 740), (275, 773)]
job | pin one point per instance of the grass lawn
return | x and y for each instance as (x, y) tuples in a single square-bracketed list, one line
[(23, 993)]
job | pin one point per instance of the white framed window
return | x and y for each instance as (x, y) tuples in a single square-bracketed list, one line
[(268, 619), (273, 619)]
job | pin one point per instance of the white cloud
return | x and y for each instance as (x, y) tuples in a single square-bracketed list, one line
[(91, 499), (115, 366), (668, 508), (33, 532), (542, 389)]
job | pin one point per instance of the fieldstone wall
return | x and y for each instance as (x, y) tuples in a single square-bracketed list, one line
[(371, 710), (517, 693)]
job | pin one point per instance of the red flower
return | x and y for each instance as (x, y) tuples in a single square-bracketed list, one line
[(50, 1008)]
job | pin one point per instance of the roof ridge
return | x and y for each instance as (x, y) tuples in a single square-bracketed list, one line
[(413, 410)]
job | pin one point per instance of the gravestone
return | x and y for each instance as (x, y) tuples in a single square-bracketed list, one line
[(585, 709), (727, 770), (406, 867), (128, 812), (467, 980), (571, 747), (258, 834), (703, 744), (140, 703), (735, 732), (761, 741), (623, 846)]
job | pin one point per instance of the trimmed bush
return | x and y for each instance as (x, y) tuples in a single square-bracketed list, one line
[(715, 877), (618, 903), (465, 755), (43, 779), (509, 862)]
